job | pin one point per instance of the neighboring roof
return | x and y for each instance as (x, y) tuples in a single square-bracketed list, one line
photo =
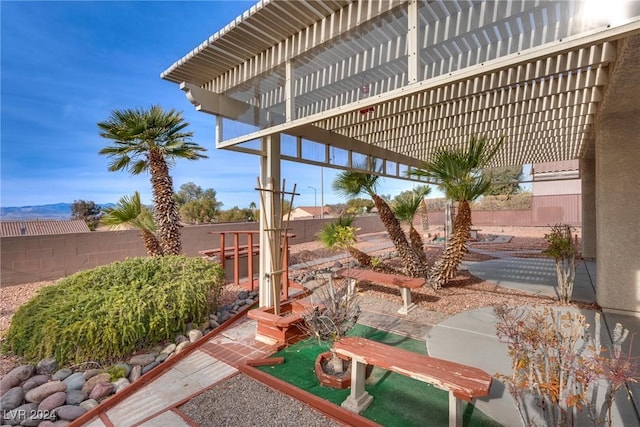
[(397, 80), (313, 210), (44, 227)]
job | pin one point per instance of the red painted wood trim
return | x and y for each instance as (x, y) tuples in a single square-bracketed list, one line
[(381, 278), (105, 419), (186, 418), (329, 409), (266, 361)]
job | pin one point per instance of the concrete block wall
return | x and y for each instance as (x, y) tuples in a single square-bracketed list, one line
[(26, 259)]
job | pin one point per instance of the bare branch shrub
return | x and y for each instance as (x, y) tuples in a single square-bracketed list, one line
[(561, 366)]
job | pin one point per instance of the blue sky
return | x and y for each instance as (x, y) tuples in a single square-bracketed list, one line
[(66, 65)]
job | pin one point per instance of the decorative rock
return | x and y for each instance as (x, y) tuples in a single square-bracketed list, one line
[(58, 423), (239, 302), (204, 325), (213, 324), (223, 316), (89, 404), (53, 401), (70, 412), (135, 374), (195, 335), (213, 317), (12, 398), (75, 381), (126, 366), (149, 367), (34, 382), (43, 391), (15, 377), (121, 384), (249, 301), (181, 338), (75, 397), (102, 389), (33, 420), (19, 414), (168, 349), (243, 294), (91, 382), (47, 366), (162, 357), (142, 359), (180, 347), (61, 374), (89, 373)]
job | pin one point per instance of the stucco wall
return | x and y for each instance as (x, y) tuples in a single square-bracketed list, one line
[(27, 259)]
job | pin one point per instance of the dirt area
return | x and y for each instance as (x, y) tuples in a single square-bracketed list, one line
[(464, 292)]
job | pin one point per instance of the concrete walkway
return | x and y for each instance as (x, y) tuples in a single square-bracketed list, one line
[(468, 338)]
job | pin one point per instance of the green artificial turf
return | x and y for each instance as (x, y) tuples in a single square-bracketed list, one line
[(397, 400)]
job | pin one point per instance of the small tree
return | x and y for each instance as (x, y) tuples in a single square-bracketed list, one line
[(335, 307), (563, 248), (129, 211), (88, 211)]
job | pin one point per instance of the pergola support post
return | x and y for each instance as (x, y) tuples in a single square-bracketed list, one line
[(270, 177)]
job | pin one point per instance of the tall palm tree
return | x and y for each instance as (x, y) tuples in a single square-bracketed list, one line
[(151, 140), (458, 174), (130, 211), (352, 184), (405, 207)]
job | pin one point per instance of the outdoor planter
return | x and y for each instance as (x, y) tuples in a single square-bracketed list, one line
[(283, 329), (341, 381)]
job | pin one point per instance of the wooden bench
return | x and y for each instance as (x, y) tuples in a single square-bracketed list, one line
[(461, 381), (403, 282)]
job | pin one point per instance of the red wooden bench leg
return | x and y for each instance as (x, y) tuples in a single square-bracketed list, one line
[(358, 399), (406, 300)]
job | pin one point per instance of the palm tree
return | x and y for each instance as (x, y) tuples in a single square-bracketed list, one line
[(351, 184), (458, 174), (129, 211), (253, 207), (151, 140), (405, 207)]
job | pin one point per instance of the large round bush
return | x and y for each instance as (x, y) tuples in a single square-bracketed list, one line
[(110, 311)]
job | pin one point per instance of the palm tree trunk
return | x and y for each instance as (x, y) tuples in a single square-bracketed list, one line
[(417, 244), (165, 211), (410, 259), (445, 269), (362, 258), (151, 243)]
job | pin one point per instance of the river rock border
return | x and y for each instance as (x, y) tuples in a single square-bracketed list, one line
[(46, 395)]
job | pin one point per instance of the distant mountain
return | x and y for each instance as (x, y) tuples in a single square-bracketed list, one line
[(57, 211)]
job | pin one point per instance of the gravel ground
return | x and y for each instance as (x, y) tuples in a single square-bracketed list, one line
[(243, 401)]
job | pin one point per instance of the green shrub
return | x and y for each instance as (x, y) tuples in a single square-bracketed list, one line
[(110, 311)]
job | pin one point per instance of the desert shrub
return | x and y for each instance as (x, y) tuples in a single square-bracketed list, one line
[(110, 311), (563, 248), (559, 369)]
